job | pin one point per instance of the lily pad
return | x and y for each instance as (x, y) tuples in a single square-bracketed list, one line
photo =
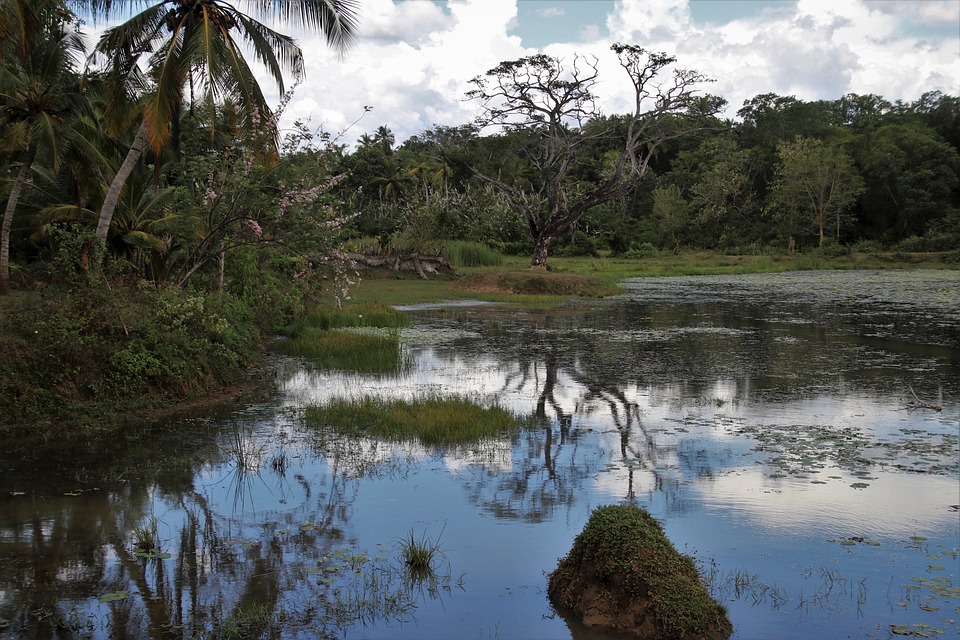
[(114, 596)]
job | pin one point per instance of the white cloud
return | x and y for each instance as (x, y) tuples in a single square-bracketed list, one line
[(413, 60), (551, 12)]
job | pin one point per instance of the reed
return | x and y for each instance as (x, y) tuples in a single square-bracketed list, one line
[(431, 420)]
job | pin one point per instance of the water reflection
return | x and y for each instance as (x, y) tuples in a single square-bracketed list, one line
[(765, 420)]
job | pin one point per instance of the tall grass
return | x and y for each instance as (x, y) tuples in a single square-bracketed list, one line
[(472, 254), (347, 350), (431, 420), (365, 314)]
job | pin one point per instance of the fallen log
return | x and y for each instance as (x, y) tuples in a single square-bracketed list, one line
[(419, 263)]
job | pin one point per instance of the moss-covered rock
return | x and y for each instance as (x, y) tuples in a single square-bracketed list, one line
[(624, 574)]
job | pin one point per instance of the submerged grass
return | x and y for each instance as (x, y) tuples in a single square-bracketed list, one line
[(431, 420), (347, 350)]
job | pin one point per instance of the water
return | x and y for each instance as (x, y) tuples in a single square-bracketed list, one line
[(781, 427)]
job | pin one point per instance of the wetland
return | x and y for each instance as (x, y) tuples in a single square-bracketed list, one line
[(795, 433)]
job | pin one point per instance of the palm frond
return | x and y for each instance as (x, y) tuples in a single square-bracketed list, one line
[(336, 19)]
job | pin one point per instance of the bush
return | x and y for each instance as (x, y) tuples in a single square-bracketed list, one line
[(86, 354), (832, 249), (645, 250), (951, 257), (867, 246)]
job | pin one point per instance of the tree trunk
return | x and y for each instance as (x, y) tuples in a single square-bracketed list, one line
[(221, 269), (12, 201), (113, 194), (541, 248)]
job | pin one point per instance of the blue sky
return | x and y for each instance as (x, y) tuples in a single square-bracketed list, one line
[(414, 58)]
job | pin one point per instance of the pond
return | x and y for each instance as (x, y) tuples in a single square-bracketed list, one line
[(797, 434)]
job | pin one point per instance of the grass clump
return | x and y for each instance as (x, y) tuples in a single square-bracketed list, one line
[(431, 420), (421, 557), (346, 350), (366, 314), (473, 254), (627, 574)]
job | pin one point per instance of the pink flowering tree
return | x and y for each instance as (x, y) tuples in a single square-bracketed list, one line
[(250, 218)]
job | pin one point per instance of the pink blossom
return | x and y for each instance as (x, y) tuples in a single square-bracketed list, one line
[(257, 231), (302, 274)]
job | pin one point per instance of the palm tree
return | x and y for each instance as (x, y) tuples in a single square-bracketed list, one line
[(38, 92), (194, 43)]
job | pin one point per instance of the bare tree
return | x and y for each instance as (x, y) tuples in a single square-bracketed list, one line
[(555, 106)]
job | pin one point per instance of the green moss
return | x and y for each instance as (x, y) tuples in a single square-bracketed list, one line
[(625, 546)]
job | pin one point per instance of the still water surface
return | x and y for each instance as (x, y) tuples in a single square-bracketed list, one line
[(783, 428)]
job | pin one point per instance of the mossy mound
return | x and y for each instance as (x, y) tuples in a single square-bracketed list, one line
[(624, 574)]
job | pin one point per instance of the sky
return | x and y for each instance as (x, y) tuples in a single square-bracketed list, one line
[(412, 60)]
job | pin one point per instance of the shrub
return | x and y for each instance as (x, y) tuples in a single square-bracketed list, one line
[(867, 246), (645, 250), (951, 257), (832, 249)]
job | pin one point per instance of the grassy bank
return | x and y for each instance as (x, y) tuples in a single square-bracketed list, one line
[(599, 276), (80, 358), (84, 353)]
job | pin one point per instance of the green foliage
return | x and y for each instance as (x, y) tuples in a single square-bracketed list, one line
[(815, 187), (951, 257), (88, 353), (431, 420), (832, 249), (645, 250), (866, 246)]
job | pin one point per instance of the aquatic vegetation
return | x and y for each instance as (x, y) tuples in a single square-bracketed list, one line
[(431, 420), (799, 449), (365, 314), (422, 557), (146, 540), (347, 350)]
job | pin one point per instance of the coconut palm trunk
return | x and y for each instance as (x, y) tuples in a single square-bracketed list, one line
[(120, 179), (12, 201)]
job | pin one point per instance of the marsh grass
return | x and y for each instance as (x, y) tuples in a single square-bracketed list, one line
[(146, 538), (347, 350), (364, 314), (422, 558), (431, 420)]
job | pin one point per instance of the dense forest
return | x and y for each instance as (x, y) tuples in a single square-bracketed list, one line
[(186, 183), (154, 211)]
